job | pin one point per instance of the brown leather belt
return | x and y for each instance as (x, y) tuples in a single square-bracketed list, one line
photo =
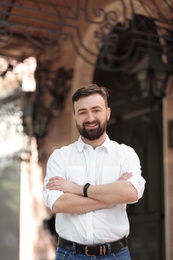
[(92, 250)]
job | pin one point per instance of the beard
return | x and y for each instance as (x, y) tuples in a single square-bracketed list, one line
[(92, 134)]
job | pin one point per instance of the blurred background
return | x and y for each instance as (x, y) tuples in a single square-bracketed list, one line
[(49, 49)]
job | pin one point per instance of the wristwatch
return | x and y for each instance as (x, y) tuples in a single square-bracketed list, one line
[(85, 189)]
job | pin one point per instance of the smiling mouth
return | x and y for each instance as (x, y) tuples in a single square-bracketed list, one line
[(91, 126)]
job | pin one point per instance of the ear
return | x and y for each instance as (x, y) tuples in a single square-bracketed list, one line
[(108, 113)]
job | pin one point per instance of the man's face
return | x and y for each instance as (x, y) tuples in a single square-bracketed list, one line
[(91, 116)]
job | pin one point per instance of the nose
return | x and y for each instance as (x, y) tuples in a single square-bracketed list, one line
[(90, 117)]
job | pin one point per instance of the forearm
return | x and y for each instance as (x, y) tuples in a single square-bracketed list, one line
[(76, 204), (116, 193)]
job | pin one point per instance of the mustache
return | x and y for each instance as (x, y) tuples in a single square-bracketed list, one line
[(90, 123)]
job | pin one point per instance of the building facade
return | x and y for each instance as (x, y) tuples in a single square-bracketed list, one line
[(127, 46)]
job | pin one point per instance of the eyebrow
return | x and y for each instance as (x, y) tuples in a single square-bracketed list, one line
[(83, 109)]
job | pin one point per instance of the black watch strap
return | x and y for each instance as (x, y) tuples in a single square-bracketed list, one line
[(85, 188)]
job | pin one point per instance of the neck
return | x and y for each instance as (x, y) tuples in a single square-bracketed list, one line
[(95, 143)]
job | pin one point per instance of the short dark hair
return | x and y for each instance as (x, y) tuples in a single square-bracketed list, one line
[(90, 90)]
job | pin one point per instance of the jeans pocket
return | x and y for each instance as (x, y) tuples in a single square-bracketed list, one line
[(123, 254), (62, 254)]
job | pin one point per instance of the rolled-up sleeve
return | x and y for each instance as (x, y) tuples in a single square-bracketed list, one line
[(131, 163), (139, 185), (54, 168)]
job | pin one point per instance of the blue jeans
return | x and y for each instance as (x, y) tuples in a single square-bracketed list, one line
[(62, 254)]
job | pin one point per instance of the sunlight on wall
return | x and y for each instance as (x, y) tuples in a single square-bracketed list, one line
[(33, 242), (15, 75), (27, 70), (33, 212)]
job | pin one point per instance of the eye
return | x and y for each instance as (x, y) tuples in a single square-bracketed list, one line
[(96, 110), (82, 113)]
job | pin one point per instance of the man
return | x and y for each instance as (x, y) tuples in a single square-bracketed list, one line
[(88, 184)]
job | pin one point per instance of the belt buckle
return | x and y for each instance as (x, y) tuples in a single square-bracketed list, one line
[(102, 249), (86, 251)]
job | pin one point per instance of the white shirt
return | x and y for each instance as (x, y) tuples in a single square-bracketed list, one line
[(80, 163)]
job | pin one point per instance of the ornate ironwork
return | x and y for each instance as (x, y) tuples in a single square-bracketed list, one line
[(45, 23), (48, 101)]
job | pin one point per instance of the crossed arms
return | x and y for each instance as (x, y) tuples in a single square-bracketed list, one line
[(101, 196)]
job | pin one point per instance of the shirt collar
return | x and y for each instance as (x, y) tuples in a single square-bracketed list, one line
[(81, 144)]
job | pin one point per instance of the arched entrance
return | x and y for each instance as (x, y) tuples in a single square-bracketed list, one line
[(147, 109)]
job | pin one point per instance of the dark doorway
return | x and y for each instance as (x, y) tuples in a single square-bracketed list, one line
[(136, 120), (142, 130)]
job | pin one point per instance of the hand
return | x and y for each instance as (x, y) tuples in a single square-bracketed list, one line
[(61, 184), (125, 176)]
